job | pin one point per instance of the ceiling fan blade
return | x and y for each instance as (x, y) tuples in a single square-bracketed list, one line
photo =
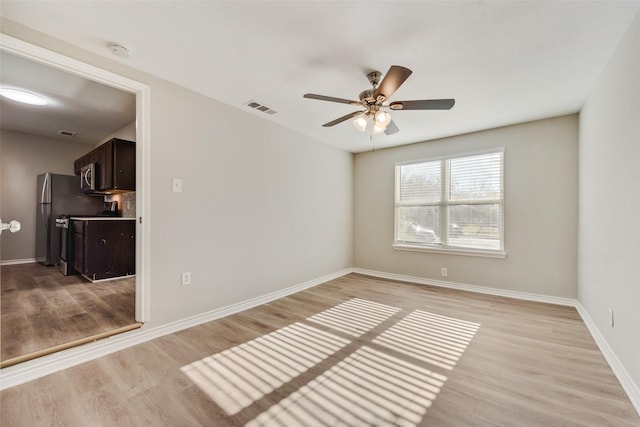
[(391, 128), (392, 81), (423, 104), (331, 99), (342, 119)]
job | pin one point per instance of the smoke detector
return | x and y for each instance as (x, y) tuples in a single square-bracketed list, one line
[(120, 50)]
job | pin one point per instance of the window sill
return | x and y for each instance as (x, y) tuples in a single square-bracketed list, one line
[(449, 251)]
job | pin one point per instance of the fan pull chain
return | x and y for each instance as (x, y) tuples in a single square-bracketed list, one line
[(373, 143)]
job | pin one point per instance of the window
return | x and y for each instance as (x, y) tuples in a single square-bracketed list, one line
[(451, 205)]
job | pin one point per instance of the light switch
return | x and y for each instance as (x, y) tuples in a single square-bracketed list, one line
[(176, 185)]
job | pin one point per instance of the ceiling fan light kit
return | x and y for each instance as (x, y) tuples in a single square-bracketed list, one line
[(374, 102), (360, 123), (382, 118), (376, 129)]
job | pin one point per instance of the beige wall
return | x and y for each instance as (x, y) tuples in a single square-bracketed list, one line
[(262, 208), (610, 203), (22, 158), (128, 132), (541, 186)]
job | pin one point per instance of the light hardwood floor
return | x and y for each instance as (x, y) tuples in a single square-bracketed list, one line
[(355, 351), (42, 308)]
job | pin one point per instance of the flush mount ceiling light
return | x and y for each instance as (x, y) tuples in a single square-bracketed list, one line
[(23, 96)]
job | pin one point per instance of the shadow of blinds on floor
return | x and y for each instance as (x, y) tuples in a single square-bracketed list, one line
[(384, 378)]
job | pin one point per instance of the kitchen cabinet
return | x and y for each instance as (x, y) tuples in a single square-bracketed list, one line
[(90, 157), (104, 248), (116, 166)]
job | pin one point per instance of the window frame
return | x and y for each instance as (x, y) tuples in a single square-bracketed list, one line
[(444, 205)]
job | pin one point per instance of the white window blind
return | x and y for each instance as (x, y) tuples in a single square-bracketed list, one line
[(451, 203)]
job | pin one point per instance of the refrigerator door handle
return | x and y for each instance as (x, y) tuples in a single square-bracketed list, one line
[(46, 190)]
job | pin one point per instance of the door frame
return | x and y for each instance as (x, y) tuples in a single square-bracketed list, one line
[(142, 92)]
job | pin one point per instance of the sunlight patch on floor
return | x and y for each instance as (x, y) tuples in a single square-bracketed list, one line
[(237, 377), (354, 317), (367, 388), (384, 380), (432, 338)]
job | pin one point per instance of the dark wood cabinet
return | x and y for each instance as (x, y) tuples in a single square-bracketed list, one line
[(90, 157), (104, 173), (78, 246), (104, 248), (115, 166)]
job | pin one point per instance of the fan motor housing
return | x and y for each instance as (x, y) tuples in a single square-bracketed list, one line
[(374, 78), (367, 96)]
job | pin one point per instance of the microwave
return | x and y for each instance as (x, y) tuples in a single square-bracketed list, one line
[(88, 178)]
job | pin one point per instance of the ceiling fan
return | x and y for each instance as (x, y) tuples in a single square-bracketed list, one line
[(376, 105)]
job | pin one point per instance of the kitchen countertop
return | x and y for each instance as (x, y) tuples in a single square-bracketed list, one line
[(101, 218)]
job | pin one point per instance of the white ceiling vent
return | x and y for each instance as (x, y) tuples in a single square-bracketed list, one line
[(260, 107), (66, 133)]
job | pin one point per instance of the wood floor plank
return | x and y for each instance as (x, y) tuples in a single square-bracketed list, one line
[(105, 406), (42, 308), (204, 410), (354, 351), (157, 407)]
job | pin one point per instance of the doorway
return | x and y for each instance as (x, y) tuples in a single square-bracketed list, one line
[(58, 63)]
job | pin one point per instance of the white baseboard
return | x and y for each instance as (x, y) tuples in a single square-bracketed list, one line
[(33, 369), (629, 386), (17, 261), (471, 288)]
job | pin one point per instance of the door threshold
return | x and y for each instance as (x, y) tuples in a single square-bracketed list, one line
[(65, 346)]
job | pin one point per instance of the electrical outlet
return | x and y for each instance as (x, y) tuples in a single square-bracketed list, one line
[(186, 278), (443, 272)]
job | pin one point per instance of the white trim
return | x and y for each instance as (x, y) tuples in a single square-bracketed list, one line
[(17, 261), (73, 66), (445, 202), (143, 204), (471, 288), (449, 250), (31, 370), (451, 156), (629, 386), (143, 120)]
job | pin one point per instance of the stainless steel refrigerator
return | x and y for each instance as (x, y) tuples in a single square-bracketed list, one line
[(59, 195)]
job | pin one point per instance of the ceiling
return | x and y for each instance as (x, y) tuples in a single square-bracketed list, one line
[(90, 110), (504, 62)]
